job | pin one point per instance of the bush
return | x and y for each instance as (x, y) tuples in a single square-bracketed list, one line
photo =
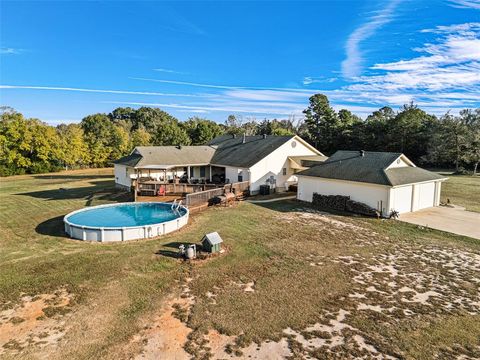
[(342, 203)]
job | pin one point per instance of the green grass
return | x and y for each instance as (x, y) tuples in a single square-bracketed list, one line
[(463, 190), (118, 287)]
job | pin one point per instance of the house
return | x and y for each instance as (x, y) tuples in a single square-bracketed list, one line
[(385, 181), (260, 160)]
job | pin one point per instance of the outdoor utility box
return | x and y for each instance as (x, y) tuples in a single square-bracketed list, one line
[(212, 242), (264, 189)]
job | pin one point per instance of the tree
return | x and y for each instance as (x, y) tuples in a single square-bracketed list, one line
[(321, 123), (140, 137), (98, 131), (233, 125), (74, 150), (201, 131), (471, 151)]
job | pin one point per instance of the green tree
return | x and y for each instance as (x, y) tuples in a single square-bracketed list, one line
[(98, 130), (321, 123), (74, 150), (201, 131), (140, 137)]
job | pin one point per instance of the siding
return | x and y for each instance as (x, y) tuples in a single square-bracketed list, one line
[(375, 196), (273, 164)]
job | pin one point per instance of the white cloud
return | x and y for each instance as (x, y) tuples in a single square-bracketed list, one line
[(10, 51), (466, 4), (352, 65), (56, 88), (307, 80), (169, 71)]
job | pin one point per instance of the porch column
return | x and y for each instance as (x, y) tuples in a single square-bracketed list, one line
[(210, 173), (188, 172), (136, 186)]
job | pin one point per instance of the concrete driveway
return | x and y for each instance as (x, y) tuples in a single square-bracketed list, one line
[(454, 220)]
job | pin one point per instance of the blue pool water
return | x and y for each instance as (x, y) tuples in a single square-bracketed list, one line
[(124, 215)]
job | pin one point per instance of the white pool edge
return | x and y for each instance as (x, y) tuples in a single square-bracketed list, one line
[(113, 234)]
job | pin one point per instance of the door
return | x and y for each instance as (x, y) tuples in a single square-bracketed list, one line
[(403, 199), (426, 195)]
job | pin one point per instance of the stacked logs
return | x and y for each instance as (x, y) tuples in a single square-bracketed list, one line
[(342, 203)]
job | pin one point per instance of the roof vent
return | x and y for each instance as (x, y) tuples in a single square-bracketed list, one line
[(362, 153), (243, 140), (264, 136)]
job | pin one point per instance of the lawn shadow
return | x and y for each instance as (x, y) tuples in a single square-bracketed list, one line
[(294, 205), (101, 190), (71, 177), (175, 245), (169, 253), (52, 227)]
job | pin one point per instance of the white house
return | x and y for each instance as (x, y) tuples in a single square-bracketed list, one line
[(259, 159), (383, 180)]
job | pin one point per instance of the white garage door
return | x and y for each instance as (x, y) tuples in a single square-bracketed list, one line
[(426, 195), (403, 199)]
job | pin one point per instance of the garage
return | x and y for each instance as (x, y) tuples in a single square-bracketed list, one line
[(384, 181)]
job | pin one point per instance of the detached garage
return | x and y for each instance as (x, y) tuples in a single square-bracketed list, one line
[(383, 180)]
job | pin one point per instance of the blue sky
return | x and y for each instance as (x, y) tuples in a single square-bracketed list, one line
[(63, 60)]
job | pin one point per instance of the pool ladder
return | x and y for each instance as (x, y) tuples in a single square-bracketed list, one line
[(175, 205)]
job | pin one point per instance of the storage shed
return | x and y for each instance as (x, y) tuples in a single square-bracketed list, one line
[(385, 181), (212, 242)]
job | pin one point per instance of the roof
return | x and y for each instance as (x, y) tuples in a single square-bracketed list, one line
[(213, 238), (369, 168), (409, 175), (167, 156), (303, 162), (232, 151)]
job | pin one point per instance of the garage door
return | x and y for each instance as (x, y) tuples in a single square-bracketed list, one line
[(403, 199), (426, 195)]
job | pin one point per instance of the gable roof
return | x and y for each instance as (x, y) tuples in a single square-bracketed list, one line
[(165, 156), (213, 238), (369, 168), (232, 151)]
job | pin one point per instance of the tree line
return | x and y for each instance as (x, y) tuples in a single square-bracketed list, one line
[(32, 146)]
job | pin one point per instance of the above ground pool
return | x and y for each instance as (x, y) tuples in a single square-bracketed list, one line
[(125, 221)]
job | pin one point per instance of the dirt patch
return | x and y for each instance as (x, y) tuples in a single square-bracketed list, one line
[(35, 321)]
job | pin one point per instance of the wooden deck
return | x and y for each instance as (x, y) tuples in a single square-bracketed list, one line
[(166, 198)]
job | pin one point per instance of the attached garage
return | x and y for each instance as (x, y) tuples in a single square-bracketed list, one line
[(382, 180)]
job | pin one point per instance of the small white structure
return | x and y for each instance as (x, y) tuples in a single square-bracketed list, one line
[(226, 159), (383, 180)]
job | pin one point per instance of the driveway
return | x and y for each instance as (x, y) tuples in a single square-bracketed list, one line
[(455, 220)]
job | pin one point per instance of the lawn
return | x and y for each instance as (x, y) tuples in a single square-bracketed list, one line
[(292, 282), (463, 190)]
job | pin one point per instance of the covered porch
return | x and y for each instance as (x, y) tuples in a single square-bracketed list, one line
[(165, 180)]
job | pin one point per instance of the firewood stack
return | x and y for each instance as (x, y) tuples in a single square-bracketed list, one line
[(342, 203)]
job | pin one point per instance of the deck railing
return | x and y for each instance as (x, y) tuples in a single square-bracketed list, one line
[(203, 197)]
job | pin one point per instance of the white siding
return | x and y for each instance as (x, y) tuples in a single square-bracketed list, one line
[(122, 175), (232, 173), (375, 196), (401, 199), (400, 162), (275, 162)]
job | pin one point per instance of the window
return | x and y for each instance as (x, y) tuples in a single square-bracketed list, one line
[(191, 172), (294, 143), (202, 171), (284, 171)]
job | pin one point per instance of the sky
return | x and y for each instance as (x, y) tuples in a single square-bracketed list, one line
[(63, 60)]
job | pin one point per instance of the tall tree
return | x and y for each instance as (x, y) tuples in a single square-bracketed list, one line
[(321, 123), (201, 131)]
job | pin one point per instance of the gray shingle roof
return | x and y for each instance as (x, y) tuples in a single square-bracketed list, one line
[(168, 156), (233, 152), (370, 168)]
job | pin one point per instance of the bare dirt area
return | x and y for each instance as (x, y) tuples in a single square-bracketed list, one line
[(37, 322), (396, 290)]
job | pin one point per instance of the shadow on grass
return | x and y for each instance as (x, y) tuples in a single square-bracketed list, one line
[(169, 253), (52, 227), (101, 190), (293, 205), (72, 177)]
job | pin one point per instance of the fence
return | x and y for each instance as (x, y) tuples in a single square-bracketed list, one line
[(203, 197)]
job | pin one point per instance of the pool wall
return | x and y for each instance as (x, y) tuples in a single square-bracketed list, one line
[(110, 234)]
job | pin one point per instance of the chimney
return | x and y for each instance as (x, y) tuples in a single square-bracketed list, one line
[(243, 140), (264, 136), (362, 153)]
